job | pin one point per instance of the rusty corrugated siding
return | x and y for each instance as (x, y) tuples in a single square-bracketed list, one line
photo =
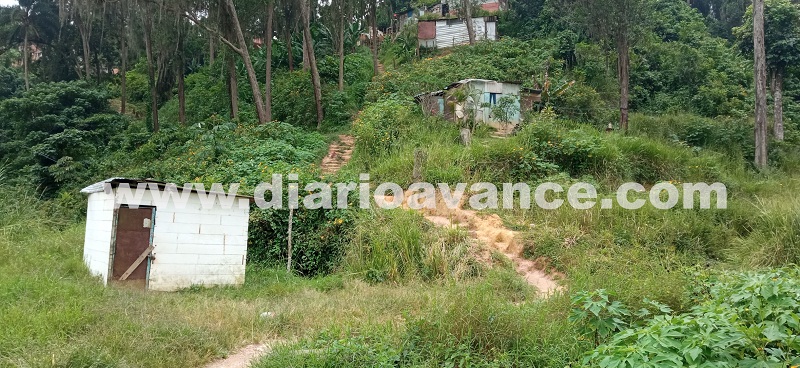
[(491, 7), (427, 30)]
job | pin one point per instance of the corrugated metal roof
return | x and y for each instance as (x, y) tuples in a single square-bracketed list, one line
[(100, 186), (467, 81), (419, 96)]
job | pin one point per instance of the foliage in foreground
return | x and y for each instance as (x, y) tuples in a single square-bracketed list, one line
[(749, 319)]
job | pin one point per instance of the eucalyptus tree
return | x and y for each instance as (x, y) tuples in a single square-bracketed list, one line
[(760, 73), (755, 16), (288, 23), (83, 14), (124, 10), (268, 37), (339, 16), (31, 23), (147, 13), (782, 48), (235, 41), (373, 24), (312, 59), (616, 23)]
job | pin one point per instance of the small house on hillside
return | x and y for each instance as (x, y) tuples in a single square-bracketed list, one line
[(480, 96), (146, 242), (444, 33)]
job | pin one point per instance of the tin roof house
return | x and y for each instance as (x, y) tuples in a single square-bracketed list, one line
[(444, 33), (480, 97), (144, 241)]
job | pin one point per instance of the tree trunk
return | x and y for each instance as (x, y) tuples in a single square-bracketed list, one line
[(211, 51), (181, 98), (313, 61), (777, 96), (468, 19), (213, 16), (268, 45), (248, 64), (25, 55), (98, 76), (373, 24), (624, 80), (85, 39), (306, 60), (289, 51), (151, 73), (233, 86), (760, 66), (123, 87), (179, 71), (341, 52)]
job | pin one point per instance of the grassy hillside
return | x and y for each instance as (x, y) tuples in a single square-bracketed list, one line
[(388, 288)]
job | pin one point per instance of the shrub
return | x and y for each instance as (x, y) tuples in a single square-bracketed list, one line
[(293, 100), (206, 96), (378, 127), (138, 87), (319, 238), (741, 319), (10, 82), (54, 131)]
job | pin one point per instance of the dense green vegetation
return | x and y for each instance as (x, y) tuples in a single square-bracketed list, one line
[(388, 288)]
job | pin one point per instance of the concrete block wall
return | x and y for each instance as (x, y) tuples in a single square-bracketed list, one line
[(197, 246), (97, 242)]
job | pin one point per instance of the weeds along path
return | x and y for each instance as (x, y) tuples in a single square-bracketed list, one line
[(489, 231), (339, 154)]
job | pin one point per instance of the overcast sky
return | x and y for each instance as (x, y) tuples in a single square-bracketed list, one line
[(8, 2)]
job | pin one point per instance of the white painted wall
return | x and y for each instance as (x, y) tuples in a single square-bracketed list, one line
[(193, 245), (483, 89), (97, 242)]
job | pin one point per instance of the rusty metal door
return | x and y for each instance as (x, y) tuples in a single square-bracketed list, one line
[(132, 238)]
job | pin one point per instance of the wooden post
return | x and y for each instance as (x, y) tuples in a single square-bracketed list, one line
[(289, 259)]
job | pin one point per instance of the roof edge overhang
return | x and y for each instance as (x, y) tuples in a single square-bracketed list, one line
[(115, 182)]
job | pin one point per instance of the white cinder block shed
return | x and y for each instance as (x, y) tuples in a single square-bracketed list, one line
[(157, 245)]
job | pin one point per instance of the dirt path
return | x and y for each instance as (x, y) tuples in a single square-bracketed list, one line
[(490, 231), (243, 358), (503, 132), (339, 154)]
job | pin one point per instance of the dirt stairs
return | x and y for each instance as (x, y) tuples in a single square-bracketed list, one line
[(339, 154), (489, 232), (504, 132)]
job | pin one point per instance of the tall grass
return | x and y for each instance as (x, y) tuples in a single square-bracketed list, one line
[(399, 245), (774, 236), (479, 323)]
